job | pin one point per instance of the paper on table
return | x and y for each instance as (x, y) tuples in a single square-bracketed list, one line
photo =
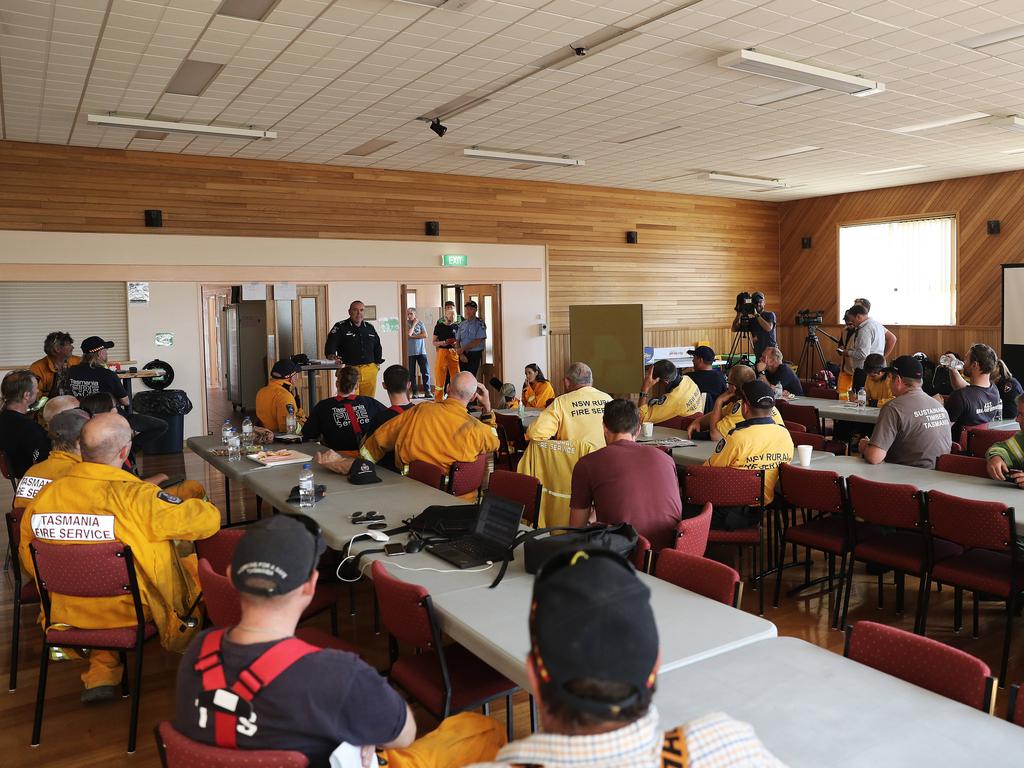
[(279, 458), (667, 442)]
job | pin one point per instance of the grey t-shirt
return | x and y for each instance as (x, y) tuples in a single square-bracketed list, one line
[(913, 429)]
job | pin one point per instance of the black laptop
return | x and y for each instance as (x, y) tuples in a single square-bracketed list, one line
[(496, 528)]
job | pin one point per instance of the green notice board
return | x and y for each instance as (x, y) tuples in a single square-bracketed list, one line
[(610, 339)]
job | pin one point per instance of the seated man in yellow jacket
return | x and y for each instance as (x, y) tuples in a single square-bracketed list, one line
[(63, 431), (96, 495), (682, 397), (727, 411), (273, 400), (438, 433), (576, 415)]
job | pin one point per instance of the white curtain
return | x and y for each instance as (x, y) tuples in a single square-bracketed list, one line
[(904, 268)]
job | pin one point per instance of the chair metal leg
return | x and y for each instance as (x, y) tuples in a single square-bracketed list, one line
[(974, 626), (761, 557), (778, 574), (227, 501), (133, 723), (849, 589), (881, 593), (958, 609), (923, 601), (125, 690), (37, 723), (900, 587), (1011, 611), (352, 599), (838, 598), (15, 635)]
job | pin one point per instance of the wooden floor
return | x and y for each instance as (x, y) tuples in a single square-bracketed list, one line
[(74, 735)]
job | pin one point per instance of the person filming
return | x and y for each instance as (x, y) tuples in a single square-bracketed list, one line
[(760, 323)]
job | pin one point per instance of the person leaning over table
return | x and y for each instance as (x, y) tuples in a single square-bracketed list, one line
[(537, 390), (681, 395), (877, 385), (771, 368), (593, 665), (576, 415), (708, 379), (52, 369), (103, 497), (355, 342), (727, 410), (912, 429), (273, 400), (342, 420)]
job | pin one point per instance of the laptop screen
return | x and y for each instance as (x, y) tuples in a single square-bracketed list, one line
[(499, 520)]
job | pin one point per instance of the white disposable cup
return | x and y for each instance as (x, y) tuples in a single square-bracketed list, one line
[(803, 455), (648, 428)]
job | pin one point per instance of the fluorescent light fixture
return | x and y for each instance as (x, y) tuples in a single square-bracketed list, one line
[(151, 135), (193, 77), (772, 98), (786, 153), (373, 145), (520, 157), (795, 72), (254, 10), (112, 121), (893, 170), (454, 107), (969, 117), (747, 181), (991, 38), (1010, 123)]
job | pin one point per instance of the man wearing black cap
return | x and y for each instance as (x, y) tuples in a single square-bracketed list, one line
[(708, 379), (912, 428), (592, 668), (317, 698), (681, 396), (762, 325), (92, 375), (274, 400)]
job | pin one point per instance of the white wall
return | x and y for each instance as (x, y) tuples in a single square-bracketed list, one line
[(520, 325)]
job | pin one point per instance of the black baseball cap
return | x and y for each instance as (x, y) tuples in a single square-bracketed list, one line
[(471, 303), (95, 344), (757, 296), (759, 394), (874, 362), (362, 473), (283, 369), (705, 353), (276, 555), (907, 367), (591, 617)]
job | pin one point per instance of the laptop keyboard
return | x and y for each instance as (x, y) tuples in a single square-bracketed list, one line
[(472, 547)]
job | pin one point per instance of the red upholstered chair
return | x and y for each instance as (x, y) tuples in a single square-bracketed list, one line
[(838, 447), (817, 442), (794, 426), (824, 393), (922, 661), (642, 554), (524, 489), (692, 533), (897, 540), (729, 487), (985, 560), (25, 592), (679, 422), (961, 465), (807, 415), (427, 473), (85, 571), (443, 678), (1015, 709), (710, 578), (5, 470), (179, 751), (822, 495), (465, 477), (980, 439), (515, 436)]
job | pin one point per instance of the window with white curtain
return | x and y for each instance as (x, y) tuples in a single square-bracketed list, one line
[(906, 269)]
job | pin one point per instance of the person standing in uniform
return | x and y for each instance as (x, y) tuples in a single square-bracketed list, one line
[(446, 364), (469, 340), (52, 370), (417, 350), (356, 343)]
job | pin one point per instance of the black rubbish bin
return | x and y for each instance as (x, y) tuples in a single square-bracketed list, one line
[(171, 405)]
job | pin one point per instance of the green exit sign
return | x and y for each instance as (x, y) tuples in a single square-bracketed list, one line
[(454, 260)]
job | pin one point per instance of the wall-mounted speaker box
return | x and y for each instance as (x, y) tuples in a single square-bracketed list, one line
[(993, 226), (154, 218), (433, 228), (805, 242), (632, 237)]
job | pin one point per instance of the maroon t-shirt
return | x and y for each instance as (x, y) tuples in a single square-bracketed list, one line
[(626, 482)]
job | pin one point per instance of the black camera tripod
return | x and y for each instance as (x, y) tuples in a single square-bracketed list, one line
[(742, 345), (812, 348)]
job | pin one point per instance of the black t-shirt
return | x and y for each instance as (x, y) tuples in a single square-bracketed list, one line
[(784, 375), (712, 382), (1009, 390), (762, 338), (319, 702), (342, 421), (24, 441), (445, 332), (973, 405), (86, 380)]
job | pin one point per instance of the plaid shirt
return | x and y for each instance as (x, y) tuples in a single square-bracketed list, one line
[(712, 741)]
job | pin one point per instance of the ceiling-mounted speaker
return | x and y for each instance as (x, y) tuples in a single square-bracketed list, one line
[(993, 226), (154, 218), (632, 237), (805, 242), (433, 228)]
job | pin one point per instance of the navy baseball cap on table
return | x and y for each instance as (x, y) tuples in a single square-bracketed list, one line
[(705, 353), (95, 344), (907, 367), (362, 472)]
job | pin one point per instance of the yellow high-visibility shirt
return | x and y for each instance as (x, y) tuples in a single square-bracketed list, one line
[(45, 370), (684, 400), (40, 475), (755, 444), (272, 403), (552, 462), (576, 415), (538, 394), (879, 390), (734, 416)]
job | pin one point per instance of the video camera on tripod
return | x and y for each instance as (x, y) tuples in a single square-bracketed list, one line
[(745, 304), (810, 318)]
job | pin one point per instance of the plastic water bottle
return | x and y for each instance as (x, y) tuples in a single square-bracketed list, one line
[(234, 446), (862, 398), (225, 431), (306, 486), (247, 438), (522, 410), (778, 391), (290, 422)]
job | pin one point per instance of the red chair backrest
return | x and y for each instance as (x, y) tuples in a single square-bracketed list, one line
[(522, 489), (514, 431), (427, 473), (823, 393), (920, 660), (819, 490), (179, 751), (723, 486), (817, 442), (961, 465), (223, 606), (679, 422), (980, 439), (83, 570), (710, 578), (467, 476), (641, 553), (970, 523), (692, 533), (892, 504), (807, 415), (220, 548), (838, 447), (402, 608), (794, 426)]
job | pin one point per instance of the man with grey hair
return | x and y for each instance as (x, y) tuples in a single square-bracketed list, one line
[(64, 430), (59, 404), (576, 415), (772, 369)]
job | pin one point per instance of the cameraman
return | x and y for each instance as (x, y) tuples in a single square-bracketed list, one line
[(760, 323)]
